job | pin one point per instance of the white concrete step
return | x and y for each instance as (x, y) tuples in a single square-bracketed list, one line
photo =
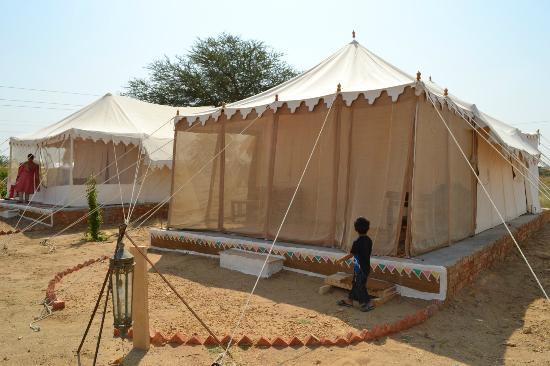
[(250, 263), (8, 214)]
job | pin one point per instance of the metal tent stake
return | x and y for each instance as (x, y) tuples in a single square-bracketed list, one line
[(107, 277)]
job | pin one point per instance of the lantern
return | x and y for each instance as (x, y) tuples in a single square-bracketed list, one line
[(122, 279)]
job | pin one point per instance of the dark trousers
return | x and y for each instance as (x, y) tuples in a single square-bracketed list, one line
[(359, 288)]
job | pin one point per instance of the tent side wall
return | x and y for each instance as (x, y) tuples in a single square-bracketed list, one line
[(109, 163), (505, 184), (443, 192), (156, 187), (379, 140), (358, 168)]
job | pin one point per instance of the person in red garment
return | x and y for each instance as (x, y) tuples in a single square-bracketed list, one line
[(28, 179)]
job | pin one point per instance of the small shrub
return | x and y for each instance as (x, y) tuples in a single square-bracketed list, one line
[(94, 218)]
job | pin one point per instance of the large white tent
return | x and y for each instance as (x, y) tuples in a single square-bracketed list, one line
[(384, 154), (106, 138)]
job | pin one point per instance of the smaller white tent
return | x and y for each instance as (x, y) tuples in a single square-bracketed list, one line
[(106, 139)]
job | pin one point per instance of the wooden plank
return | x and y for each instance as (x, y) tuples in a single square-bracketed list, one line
[(325, 289), (383, 299), (381, 291), (375, 287)]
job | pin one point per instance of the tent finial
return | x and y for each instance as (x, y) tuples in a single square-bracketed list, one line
[(353, 34), (339, 88), (276, 97), (430, 77), (418, 74), (446, 92), (177, 112), (223, 105)]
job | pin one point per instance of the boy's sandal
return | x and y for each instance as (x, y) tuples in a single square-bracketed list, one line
[(343, 303), (366, 307)]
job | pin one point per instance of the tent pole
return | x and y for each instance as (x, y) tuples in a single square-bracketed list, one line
[(449, 221), (211, 188), (221, 210), (406, 188), (176, 128), (71, 158), (271, 170), (336, 172), (474, 158), (347, 208), (408, 236)]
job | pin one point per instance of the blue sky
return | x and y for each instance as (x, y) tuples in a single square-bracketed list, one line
[(493, 53)]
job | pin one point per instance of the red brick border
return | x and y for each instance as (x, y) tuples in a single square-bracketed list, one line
[(9, 232), (469, 268), (109, 214), (51, 296)]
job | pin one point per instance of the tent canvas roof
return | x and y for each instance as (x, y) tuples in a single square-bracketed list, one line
[(118, 119), (358, 71)]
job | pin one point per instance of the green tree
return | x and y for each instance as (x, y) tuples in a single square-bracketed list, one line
[(218, 69)]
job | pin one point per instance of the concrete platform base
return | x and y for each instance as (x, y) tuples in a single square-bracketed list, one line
[(8, 214), (59, 217), (437, 275), (251, 263)]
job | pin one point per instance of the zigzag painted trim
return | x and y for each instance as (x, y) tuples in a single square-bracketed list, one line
[(421, 272), (8, 232)]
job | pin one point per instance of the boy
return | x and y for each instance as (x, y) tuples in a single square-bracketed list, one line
[(360, 251)]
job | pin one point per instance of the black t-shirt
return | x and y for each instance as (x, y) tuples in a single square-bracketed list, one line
[(361, 250)]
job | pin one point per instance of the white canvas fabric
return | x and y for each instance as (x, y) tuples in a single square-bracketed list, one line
[(506, 186), (358, 71), (500, 131)]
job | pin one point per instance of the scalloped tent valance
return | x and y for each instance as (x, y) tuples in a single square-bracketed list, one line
[(356, 70), (117, 119)]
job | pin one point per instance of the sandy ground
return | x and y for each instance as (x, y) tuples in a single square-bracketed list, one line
[(285, 305), (500, 319)]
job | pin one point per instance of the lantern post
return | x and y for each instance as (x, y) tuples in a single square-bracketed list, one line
[(121, 265), (119, 281)]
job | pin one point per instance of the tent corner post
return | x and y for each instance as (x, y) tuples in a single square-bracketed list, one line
[(412, 156), (221, 208), (71, 158), (336, 170), (271, 170)]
